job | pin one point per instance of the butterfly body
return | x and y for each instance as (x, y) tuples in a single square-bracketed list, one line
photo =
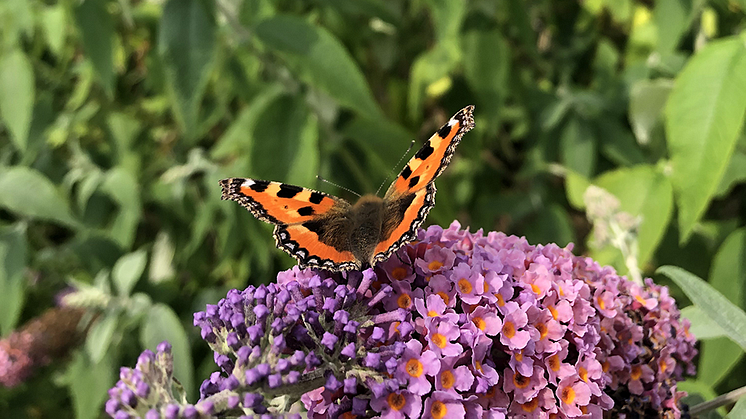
[(323, 231)]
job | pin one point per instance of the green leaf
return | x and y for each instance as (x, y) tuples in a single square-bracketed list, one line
[(88, 382), (186, 43), (487, 64), (723, 312), (13, 255), (704, 116), (283, 133), (728, 272), (672, 17), (739, 410), (702, 326), (734, 175), (16, 95), (427, 69), (162, 324), (97, 33), (642, 191), (29, 193), (578, 147), (54, 24), (128, 270), (99, 337), (646, 104), (575, 186), (122, 186), (717, 358), (320, 59)]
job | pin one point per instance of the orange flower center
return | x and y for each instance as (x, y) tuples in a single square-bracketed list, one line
[(543, 331), (438, 409), (554, 362), (486, 287), (439, 340), (605, 366), (479, 323), (535, 288), (404, 301), (464, 286), (447, 380), (531, 405), (444, 296), (662, 366), (521, 381), (508, 330), (583, 373), (568, 395), (396, 401), (432, 313), (640, 299), (478, 365), (519, 356), (399, 273), (636, 372), (435, 265), (553, 311), (500, 300), (601, 303), (414, 368)]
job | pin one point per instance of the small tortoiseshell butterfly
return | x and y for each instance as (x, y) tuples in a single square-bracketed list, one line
[(323, 231)]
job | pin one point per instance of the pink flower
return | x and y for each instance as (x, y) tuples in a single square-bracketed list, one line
[(442, 405), (573, 393), (398, 405), (415, 366)]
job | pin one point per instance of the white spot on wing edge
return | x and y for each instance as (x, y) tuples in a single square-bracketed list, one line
[(247, 183)]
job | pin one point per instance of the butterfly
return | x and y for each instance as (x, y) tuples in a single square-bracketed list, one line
[(325, 232)]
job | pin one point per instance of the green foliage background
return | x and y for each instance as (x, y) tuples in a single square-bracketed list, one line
[(118, 117)]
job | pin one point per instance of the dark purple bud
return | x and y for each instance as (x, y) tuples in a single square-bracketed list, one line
[(153, 414), (234, 297), (351, 326), (252, 377), (252, 400), (122, 415), (261, 311), (255, 332), (223, 362), (380, 295), (341, 316), (349, 350), (372, 360), (206, 407), (233, 402), (378, 334), (312, 360), (232, 340), (329, 340), (295, 292), (262, 370), (350, 385), (199, 317), (208, 388), (330, 304), (128, 397), (314, 282), (111, 407), (368, 276), (282, 365), (282, 299), (391, 365), (146, 358), (332, 383), (207, 334), (297, 358), (171, 411), (142, 389), (190, 412), (277, 325), (230, 383), (242, 355), (238, 320), (279, 344), (318, 298), (261, 293), (397, 315), (292, 377), (359, 406), (405, 328), (274, 380)]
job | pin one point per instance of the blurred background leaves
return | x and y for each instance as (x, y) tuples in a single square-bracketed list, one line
[(118, 117)]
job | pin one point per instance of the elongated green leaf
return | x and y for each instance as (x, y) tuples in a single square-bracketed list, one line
[(487, 65), (723, 312), (728, 273), (162, 324), (734, 175), (123, 188), (97, 33), (739, 410), (702, 326), (128, 270), (13, 254), (642, 191), (279, 136), (578, 147), (28, 193), (321, 59), (16, 95), (99, 337), (646, 103), (88, 382), (717, 357), (704, 115), (186, 43)]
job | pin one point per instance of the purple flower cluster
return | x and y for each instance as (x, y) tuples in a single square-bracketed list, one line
[(147, 391), (307, 335), (456, 325)]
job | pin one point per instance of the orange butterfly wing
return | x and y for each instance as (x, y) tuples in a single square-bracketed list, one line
[(411, 196), (302, 219)]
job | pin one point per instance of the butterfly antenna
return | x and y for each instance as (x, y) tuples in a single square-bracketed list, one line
[(395, 166), (339, 186)]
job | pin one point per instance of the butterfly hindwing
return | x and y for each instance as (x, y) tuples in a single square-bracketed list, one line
[(309, 224)]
